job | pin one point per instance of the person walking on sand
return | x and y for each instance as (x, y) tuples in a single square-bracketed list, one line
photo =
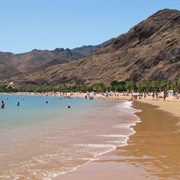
[(2, 105)]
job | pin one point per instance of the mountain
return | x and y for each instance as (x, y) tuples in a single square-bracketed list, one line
[(87, 50), (19, 64), (148, 51), (7, 69)]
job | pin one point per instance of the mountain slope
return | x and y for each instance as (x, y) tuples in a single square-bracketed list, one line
[(87, 50), (12, 64), (148, 51), (7, 69)]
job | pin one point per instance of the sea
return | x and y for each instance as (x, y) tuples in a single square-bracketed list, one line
[(42, 138)]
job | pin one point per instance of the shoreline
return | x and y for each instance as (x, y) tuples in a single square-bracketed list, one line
[(169, 105), (149, 138), (114, 165)]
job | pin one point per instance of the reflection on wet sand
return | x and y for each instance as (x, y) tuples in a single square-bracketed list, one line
[(152, 152)]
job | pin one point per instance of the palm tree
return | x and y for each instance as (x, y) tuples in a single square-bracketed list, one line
[(145, 85), (164, 85), (84, 88), (154, 85), (129, 86), (175, 85), (139, 86), (98, 87)]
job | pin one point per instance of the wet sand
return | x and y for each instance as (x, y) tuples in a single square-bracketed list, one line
[(169, 105), (152, 152)]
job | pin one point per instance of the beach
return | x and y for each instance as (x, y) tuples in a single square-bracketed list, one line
[(118, 142), (152, 152), (42, 138)]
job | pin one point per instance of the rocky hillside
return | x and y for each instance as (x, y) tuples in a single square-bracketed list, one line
[(148, 51), (18, 64), (87, 50)]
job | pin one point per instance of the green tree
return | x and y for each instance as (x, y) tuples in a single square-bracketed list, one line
[(154, 85), (164, 86), (129, 86), (139, 86), (145, 86), (175, 85), (84, 88), (118, 86), (99, 87)]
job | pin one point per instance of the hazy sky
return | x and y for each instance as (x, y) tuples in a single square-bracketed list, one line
[(50, 24)]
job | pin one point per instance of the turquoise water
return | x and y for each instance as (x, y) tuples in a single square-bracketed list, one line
[(34, 109), (40, 140)]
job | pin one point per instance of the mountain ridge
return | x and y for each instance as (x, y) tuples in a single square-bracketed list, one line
[(148, 51), (12, 64)]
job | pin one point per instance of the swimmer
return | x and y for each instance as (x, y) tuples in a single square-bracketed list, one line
[(2, 105)]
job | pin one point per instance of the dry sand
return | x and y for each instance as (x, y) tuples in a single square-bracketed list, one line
[(169, 105), (152, 152)]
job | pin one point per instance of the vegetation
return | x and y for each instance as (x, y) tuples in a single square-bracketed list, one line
[(115, 86), (5, 88)]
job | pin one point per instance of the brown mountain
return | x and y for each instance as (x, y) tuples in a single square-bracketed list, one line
[(19, 64), (87, 50), (148, 51), (12, 64)]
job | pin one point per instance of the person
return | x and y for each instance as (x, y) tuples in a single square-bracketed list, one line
[(18, 104), (164, 96), (69, 107), (2, 105), (91, 97)]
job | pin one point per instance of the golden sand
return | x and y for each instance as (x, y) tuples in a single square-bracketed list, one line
[(170, 105)]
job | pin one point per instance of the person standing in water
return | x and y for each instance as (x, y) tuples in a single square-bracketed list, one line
[(2, 105)]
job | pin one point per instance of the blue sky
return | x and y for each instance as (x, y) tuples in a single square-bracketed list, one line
[(48, 24)]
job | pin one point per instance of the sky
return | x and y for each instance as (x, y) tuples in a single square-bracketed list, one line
[(48, 24)]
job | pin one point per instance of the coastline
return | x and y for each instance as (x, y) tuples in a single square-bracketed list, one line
[(151, 153), (149, 150), (171, 104)]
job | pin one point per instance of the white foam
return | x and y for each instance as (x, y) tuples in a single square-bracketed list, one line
[(104, 148), (118, 143), (40, 161), (114, 135), (128, 106), (96, 145), (129, 129), (125, 125)]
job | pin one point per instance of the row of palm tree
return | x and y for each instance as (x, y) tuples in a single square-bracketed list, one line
[(115, 86), (155, 86)]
